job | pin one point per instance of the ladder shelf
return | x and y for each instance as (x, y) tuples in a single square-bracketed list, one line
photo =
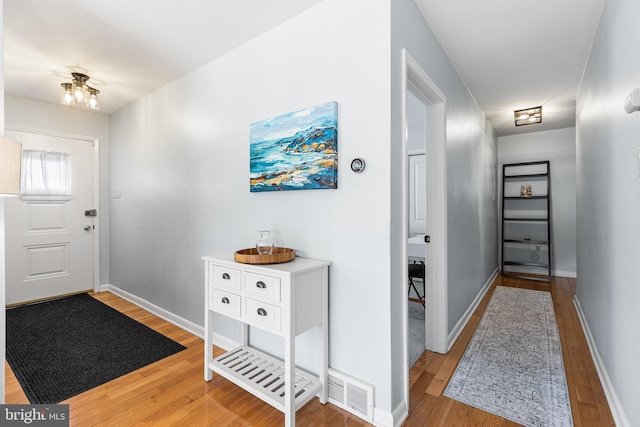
[(526, 221)]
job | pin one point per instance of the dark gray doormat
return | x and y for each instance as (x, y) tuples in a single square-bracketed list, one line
[(60, 348)]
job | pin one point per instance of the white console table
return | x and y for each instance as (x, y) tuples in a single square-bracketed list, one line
[(285, 299)]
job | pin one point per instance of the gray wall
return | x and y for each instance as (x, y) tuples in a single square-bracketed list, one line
[(471, 172), (2, 255), (559, 147), (180, 158), (608, 200), (416, 123)]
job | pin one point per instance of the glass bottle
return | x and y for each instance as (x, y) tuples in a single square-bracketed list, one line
[(265, 244)]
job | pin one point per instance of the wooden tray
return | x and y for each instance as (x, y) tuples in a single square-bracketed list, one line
[(251, 256)]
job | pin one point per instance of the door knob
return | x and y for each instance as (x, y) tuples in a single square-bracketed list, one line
[(87, 227)]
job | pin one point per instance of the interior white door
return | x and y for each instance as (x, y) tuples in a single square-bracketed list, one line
[(417, 194), (49, 242)]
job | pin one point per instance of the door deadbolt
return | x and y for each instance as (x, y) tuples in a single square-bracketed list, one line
[(87, 227)]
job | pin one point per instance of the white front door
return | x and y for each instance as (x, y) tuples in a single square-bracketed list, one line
[(49, 241)]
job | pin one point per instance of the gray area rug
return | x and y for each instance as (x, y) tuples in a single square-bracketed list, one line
[(513, 365), (416, 330)]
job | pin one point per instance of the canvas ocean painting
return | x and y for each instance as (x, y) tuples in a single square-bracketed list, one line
[(295, 151)]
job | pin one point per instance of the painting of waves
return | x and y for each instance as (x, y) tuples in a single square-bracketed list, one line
[(295, 151)]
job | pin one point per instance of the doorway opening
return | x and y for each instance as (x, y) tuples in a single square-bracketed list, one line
[(416, 128), (425, 194)]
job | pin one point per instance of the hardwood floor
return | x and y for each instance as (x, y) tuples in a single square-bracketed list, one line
[(429, 376), (172, 392)]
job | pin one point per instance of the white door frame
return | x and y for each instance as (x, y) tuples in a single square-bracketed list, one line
[(414, 78), (96, 187)]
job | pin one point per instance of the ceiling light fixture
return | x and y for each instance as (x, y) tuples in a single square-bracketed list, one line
[(79, 93), (528, 116)]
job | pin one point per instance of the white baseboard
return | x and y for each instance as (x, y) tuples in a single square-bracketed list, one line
[(386, 419), (457, 330), (619, 416), (197, 330), (529, 270), (561, 273), (223, 342), (400, 414)]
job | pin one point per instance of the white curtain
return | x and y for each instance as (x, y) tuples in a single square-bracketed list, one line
[(45, 174)]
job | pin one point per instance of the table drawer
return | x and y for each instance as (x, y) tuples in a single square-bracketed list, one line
[(224, 302), (261, 313), (261, 286), (226, 277)]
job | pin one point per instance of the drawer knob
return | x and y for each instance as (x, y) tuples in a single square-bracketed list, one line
[(225, 300), (226, 276), (260, 284), (262, 312)]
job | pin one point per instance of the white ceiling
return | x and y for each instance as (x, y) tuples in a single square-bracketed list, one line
[(129, 48), (516, 54), (512, 54)]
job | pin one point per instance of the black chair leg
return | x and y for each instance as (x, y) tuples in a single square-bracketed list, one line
[(420, 297)]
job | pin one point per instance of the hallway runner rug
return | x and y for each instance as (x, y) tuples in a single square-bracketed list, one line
[(513, 365), (60, 348)]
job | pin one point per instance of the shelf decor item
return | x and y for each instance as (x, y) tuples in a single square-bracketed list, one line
[(265, 244), (525, 191), (295, 151), (251, 256)]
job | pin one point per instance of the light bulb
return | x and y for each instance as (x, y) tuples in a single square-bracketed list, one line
[(67, 96), (93, 103), (79, 92)]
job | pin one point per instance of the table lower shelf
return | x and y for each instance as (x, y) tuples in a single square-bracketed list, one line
[(263, 376)]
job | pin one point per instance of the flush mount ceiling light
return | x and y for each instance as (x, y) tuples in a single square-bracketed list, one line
[(79, 93), (528, 116)]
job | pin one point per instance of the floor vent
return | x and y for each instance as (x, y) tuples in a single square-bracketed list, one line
[(351, 395)]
